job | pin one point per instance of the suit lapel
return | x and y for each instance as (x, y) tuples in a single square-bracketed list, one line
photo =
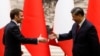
[(83, 26), (75, 34)]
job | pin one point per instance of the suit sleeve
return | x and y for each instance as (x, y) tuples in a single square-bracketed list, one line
[(17, 34), (94, 41), (65, 36)]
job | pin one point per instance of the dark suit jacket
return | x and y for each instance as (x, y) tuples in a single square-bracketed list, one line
[(13, 38), (85, 42)]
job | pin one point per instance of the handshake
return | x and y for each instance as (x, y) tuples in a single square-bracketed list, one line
[(50, 37)]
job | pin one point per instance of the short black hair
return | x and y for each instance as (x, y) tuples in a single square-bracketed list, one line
[(77, 11), (14, 12)]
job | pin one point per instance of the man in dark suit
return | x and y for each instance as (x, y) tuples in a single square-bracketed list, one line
[(83, 33), (13, 38)]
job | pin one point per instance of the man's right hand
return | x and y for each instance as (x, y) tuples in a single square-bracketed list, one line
[(52, 36), (42, 39)]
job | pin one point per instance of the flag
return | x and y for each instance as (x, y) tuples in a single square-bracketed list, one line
[(4, 19), (93, 14), (63, 23), (33, 25)]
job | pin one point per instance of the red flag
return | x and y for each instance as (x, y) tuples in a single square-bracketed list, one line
[(4, 19), (33, 25), (1, 45), (93, 14)]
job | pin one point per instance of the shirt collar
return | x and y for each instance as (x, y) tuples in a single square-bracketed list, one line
[(16, 22), (82, 22)]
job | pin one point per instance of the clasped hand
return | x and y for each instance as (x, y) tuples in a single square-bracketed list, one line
[(50, 37)]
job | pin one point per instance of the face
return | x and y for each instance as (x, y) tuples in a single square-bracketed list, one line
[(76, 18), (19, 17)]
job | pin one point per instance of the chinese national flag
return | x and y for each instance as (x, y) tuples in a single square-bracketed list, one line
[(4, 19), (33, 25), (93, 14), (1, 44)]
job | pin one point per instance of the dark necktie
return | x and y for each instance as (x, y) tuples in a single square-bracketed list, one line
[(77, 29)]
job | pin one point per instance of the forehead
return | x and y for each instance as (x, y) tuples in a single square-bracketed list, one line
[(74, 14)]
